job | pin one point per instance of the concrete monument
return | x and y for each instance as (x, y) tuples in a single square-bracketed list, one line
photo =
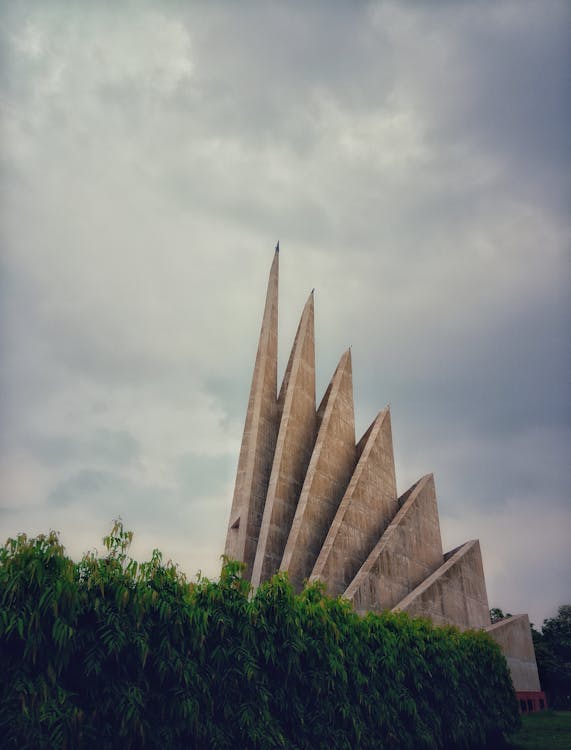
[(311, 501)]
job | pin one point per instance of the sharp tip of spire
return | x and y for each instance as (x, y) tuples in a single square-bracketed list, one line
[(277, 248), (309, 302)]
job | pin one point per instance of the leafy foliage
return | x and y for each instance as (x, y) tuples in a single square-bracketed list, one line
[(109, 653), (496, 614), (553, 654)]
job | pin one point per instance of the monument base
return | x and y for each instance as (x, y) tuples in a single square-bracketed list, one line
[(531, 701)]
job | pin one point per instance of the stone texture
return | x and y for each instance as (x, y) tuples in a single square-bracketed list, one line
[(259, 438), (330, 468), (514, 637), (368, 506), (455, 594), (295, 442), (408, 552)]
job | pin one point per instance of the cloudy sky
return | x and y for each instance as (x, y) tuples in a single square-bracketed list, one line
[(413, 159)]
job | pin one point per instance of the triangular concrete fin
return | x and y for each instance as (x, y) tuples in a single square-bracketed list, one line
[(259, 437), (296, 438), (330, 468), (513, 634), (300, 329), (455, 594), (408, 551), (368, 506)]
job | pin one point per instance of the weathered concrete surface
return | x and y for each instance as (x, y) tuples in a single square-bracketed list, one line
[(514, 637), (407, 553), (455, 594), (259, 438), (330, 468), (296, 439), (367, 507)]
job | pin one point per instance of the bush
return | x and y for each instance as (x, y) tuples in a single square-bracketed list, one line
[(109, 653), (553, 654)]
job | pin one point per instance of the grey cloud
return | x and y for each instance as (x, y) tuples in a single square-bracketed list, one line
[(110, 495), (114, 446), (88, 485), (202, 475), (111, 447), (412, 160)]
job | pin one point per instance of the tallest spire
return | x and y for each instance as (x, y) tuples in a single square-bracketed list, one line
[(259, 438)]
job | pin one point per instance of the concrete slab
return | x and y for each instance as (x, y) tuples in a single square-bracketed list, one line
[(332, 463), (514, 637), (455, 594), (367, 508), (295, 442), (259, 438), (408, 552)]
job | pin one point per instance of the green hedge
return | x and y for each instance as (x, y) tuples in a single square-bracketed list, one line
[(110, 653)]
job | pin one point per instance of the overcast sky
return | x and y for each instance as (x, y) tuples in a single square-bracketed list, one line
[(414, 161)]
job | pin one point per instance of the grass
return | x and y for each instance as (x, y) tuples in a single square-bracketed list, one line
[(548, 730)]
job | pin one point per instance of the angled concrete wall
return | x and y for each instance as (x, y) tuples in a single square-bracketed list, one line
[(296, 438), (330, 468), (259, 438), (367, 507), (514, 637), (408, 552), (455, 594)]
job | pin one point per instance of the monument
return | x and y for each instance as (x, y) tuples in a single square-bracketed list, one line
[(312, 501)]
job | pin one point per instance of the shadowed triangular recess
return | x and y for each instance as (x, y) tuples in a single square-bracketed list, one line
[(368, 506), (455, 594), (259, 438), (296, 438), (330, 468), (409, 550)]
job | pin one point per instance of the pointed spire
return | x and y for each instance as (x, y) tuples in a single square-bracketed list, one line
[(259, 438), (368, 506), (296, 438), (330, 468)]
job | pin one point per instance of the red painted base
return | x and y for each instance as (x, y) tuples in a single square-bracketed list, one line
[(530, 702)]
